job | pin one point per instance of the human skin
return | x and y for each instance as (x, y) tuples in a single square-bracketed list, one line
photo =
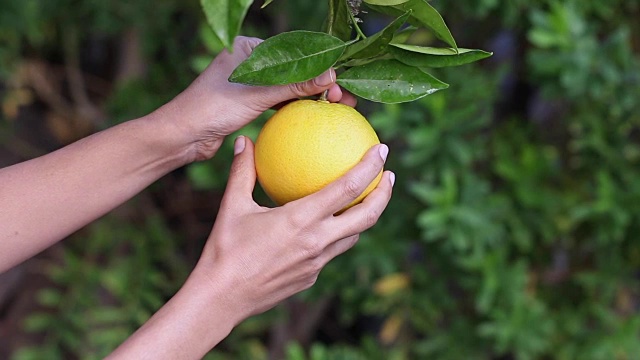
[(255, 256)]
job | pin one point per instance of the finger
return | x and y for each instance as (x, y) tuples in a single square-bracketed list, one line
[(364, 215), (348, 99), (242, 176), (339, 95), (245, 45), (277, 94), (335, 93), (339, 247), (340, 193)]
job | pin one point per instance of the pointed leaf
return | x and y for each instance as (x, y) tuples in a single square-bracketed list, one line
[(389, 81), (266, 2), (421, 56), (225, 18), (338, 20), (375, 44), (289, 57), (424, 14), (385, 2)]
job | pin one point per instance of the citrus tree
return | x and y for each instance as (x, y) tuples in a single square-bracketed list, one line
[(383, 67), (512, 232)]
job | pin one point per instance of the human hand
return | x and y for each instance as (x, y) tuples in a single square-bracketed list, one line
[(212, 108), (265, 255), (256, 256)]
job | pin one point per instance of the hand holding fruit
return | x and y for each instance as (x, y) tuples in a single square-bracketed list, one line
[(256, 257), (271, 254), (212, 107)]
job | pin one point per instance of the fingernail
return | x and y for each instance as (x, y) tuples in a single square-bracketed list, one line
[(384, 151), (326, 79), (238, 146), (392, 178)]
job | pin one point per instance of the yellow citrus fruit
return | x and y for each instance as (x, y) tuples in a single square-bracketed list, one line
[(307, 144)]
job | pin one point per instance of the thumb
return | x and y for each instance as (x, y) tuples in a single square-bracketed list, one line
[(242, 176), (308, 88)]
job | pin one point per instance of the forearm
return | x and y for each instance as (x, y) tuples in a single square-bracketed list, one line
[(196, 319), (43, 200)]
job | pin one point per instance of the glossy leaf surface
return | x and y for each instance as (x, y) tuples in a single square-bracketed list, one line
[(225, 18), (389, 81), (338, 20), (289, 57), (422, 56), (422, 13), (377, 43)]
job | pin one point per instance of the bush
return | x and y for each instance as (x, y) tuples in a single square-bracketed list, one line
[(511, 233)]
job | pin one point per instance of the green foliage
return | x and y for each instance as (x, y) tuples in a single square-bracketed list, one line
[(225, 18), (376, 44), (98, 297), (312, 53), (338, 20), (512, 232), (421, 56), (422, 14), (298, 56), (401, 82)]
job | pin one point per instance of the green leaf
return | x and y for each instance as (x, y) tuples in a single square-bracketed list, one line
[(338, 20), (385, 2), (360, 62), (289, 57), (424, 14), (266, 2), (375, 44), (403, 35), (210, 40), (421, 56), (389, 81), (225, 18)]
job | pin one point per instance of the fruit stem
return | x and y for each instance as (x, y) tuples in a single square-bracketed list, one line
[(323, 96)]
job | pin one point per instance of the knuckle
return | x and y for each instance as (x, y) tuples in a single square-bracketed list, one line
[(313, 269), (250, 41), (351, 187), (353, 240), (299, 89), (310, 281), (315, 266), (371, 218), (376, 165), (298, 220), (312, 249), (348, 243)]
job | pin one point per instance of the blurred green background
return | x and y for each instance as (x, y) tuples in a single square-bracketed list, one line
[(514, 228)]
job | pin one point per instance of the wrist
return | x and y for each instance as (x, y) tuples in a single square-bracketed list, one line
[(220, 289), (193, 322), (187, 143)]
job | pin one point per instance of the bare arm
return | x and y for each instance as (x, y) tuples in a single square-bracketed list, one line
[(45, 199)]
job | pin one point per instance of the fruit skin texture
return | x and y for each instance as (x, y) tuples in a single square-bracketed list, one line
[(308, 144)]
